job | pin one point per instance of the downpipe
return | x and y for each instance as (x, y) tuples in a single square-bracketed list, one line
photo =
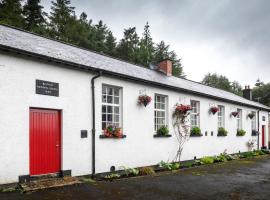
[(94, 123), (258, 135)]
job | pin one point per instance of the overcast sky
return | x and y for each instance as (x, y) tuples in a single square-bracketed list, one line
[(228, 37)]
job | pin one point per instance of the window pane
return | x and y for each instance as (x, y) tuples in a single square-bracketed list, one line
[(104, 117), (116, 92), (116, 110), (103, 125), (109, 116), (110, 91), (109, 109), (104, 90), (103, 109), (116, 118), (116, 100), (109, 99), (104, 98)]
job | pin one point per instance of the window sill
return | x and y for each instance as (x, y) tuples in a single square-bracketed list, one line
[(162, 136), (192, 135), (240, 135), (106, 137)]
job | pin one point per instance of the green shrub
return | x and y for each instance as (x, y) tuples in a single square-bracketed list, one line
[(195, 131), (112, 176), (163, 130), (189, 164), (146, 171), (206, 160), (169, 166), (131, 171), (221, 158), (222, 131), (240, 132), (175, 166)]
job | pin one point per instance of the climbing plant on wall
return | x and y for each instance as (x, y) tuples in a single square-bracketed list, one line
[(181, 127)]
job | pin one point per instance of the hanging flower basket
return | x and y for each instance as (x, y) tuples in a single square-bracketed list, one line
[(235, 113), (113, 132), (144, 100), (251, 115), (214, 110), (182, 110)]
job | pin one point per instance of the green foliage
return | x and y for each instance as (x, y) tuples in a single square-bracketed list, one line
[(131, 171), (163, 130), (240, 132), (261, 93), (222, 82), (221, 158), (11, 13), (222, 131), (146, 171), (112, 176), (195, 131), (206, 160), (169, 166), (34, 17)]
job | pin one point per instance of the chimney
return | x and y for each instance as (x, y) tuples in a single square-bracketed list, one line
[(165, 67), (247, 93)]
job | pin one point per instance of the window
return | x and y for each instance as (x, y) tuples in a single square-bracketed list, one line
[(221, 117), (195, 113), (253, 122), (160, 111), (239, 119), (111, 106)]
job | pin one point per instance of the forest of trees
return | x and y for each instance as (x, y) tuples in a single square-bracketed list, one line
[(63, 24)]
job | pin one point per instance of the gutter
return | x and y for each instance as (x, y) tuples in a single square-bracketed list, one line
[(94, 123)]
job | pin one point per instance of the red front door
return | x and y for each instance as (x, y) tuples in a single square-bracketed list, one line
[(263, 136), (45, 141)]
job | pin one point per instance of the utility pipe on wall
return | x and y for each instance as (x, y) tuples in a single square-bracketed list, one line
[(258, 135), (94, 123)]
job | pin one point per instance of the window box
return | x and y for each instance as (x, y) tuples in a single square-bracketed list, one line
[(112, 137), (222, 132), (160, 136), (196, 135)]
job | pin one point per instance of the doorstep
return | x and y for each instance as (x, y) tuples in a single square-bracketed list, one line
[(48, 183)]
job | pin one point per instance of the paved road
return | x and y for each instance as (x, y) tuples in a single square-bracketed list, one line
[(244, 179)]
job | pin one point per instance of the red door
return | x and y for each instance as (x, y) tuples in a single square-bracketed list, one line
[(45, 141), (263, 136)]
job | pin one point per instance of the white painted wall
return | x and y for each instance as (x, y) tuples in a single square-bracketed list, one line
[(140, 148)]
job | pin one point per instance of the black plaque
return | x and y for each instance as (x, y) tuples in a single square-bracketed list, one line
[(83, 133), (47, 88)]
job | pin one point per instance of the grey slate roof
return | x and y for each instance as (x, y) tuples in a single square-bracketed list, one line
[(34, 44)]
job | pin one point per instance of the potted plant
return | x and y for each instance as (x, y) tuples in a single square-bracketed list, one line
[(195, 132), (214, 110), (222, 132), (113, 132), (235, 113), (144, 100), (240, 132), (251, 115), (182, 110), (163, 131)]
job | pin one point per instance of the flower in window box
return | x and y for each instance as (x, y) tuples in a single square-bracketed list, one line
[(144, 100), (222, 132), (214, 110), (163, 131), (251, 115), (113, 131), (235, 113), (240, 132), (195, 131)]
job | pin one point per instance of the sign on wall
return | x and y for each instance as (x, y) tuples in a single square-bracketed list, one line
[(47, 88)]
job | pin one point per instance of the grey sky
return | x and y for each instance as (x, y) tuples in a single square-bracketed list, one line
[(229, 37)]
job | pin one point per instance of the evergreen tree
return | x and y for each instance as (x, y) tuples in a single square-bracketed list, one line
[(262, 94), (100, 32), (127, 49), (146, 49), (34, 16), (11, 13), (61, 17), (110, 44)]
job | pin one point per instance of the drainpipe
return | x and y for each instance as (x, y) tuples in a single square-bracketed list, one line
[(258, 137), (94, 123)]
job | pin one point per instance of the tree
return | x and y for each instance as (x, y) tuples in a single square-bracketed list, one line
[(262, 94), (61, 17), (217, 81), (146, 47), (11, 13), (34, 16), (100, 32), (236, 88), (127, 49), (162, 52), (110, 44)]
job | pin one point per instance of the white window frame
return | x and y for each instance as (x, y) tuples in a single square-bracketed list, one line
[(158, 110), (195, 113), (254, 122), (221, 116), (111, 108), (239, 120)]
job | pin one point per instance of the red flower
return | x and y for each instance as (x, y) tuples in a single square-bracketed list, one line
[(214, 109), (182, 109), (144, 99), (113, 131)]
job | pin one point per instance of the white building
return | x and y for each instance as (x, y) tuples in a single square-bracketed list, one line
[(46, 106)]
